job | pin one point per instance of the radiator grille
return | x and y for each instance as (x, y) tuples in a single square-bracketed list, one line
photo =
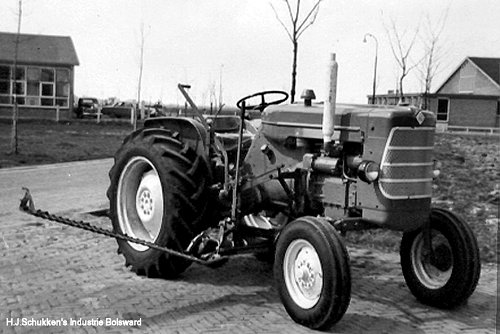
[(406, 168)]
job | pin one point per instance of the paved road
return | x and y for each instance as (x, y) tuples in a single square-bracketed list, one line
[(57, 273), (75, 186)]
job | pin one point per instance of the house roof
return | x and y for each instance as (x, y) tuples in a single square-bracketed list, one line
[(488, 66), (38, 49)]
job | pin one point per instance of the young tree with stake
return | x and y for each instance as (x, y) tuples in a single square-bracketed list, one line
[(297, 27), (434, 53), (401, 47), (14, 149)]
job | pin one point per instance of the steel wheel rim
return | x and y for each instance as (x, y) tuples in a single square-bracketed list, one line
[(303, 273), (428, 273), (140, 201)]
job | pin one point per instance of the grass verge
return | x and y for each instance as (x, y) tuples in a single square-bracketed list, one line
[(42, 142)]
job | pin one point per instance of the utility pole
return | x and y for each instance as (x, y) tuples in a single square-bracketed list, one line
[(220, 86), (141, 65)]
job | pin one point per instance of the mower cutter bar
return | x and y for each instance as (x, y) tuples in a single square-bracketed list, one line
[(27, 205)]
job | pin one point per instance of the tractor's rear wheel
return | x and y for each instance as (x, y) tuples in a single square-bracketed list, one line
[(312, 272), (159, 193), (441, 266)]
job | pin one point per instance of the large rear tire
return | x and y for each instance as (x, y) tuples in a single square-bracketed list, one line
[(312, 272), (159, 193), (448, 278)]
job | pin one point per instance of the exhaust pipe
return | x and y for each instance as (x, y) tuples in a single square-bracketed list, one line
[(329, 106)]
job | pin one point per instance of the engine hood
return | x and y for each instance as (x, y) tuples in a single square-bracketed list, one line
[(351, 120)]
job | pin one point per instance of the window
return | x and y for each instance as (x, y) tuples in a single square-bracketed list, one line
[(4, 87), (32, 101), (47, 102), (20, 88), (21, 100), (47, 89), (20, 74), (4, 84), (62, 102), (62, 89), (62, 75), (47, 75), (4, 72), (442, 110), (35, 86), (33, 74), (10, 87), (62, 85)]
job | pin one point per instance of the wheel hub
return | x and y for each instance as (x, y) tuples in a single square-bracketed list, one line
[(303, 273), (442, 258), (140, 201), (432, 267), (145, 205)]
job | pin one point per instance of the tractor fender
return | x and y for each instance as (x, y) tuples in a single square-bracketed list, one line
[(189, 131)]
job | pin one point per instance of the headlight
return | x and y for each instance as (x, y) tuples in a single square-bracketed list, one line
[(368, 171), (437, 169)]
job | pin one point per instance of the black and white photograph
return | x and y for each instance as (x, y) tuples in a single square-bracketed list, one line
[(249, 166)]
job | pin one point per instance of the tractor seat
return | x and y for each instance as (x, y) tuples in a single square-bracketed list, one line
[(224, 124), (226, 128), (230, 140)]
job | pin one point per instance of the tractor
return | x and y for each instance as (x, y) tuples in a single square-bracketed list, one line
[(203, 188)]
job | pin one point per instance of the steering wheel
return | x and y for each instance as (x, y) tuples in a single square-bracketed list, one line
[(263, 104)]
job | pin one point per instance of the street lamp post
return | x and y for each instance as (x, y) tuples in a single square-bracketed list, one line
[(375, 65)]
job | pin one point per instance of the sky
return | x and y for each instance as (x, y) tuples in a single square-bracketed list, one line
[(242, 44)]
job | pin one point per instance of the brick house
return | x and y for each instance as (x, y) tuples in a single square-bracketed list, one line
[(468, 98), (44, 79)]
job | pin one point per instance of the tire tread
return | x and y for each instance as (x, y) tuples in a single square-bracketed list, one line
[(186, 178)]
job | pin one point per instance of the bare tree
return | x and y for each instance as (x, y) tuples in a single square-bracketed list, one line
[(402, 44), (434, 53), (141, 66), (297, 27), (14, 149)]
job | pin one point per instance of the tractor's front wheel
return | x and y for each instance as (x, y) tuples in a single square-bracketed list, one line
[(312, 272), (441, 264), (158, 193)]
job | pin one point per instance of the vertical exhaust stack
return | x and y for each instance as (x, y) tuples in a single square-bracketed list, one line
[(329, 106)]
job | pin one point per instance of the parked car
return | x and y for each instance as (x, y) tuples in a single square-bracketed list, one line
[(154, 110), (119, 110), (87, 106)]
